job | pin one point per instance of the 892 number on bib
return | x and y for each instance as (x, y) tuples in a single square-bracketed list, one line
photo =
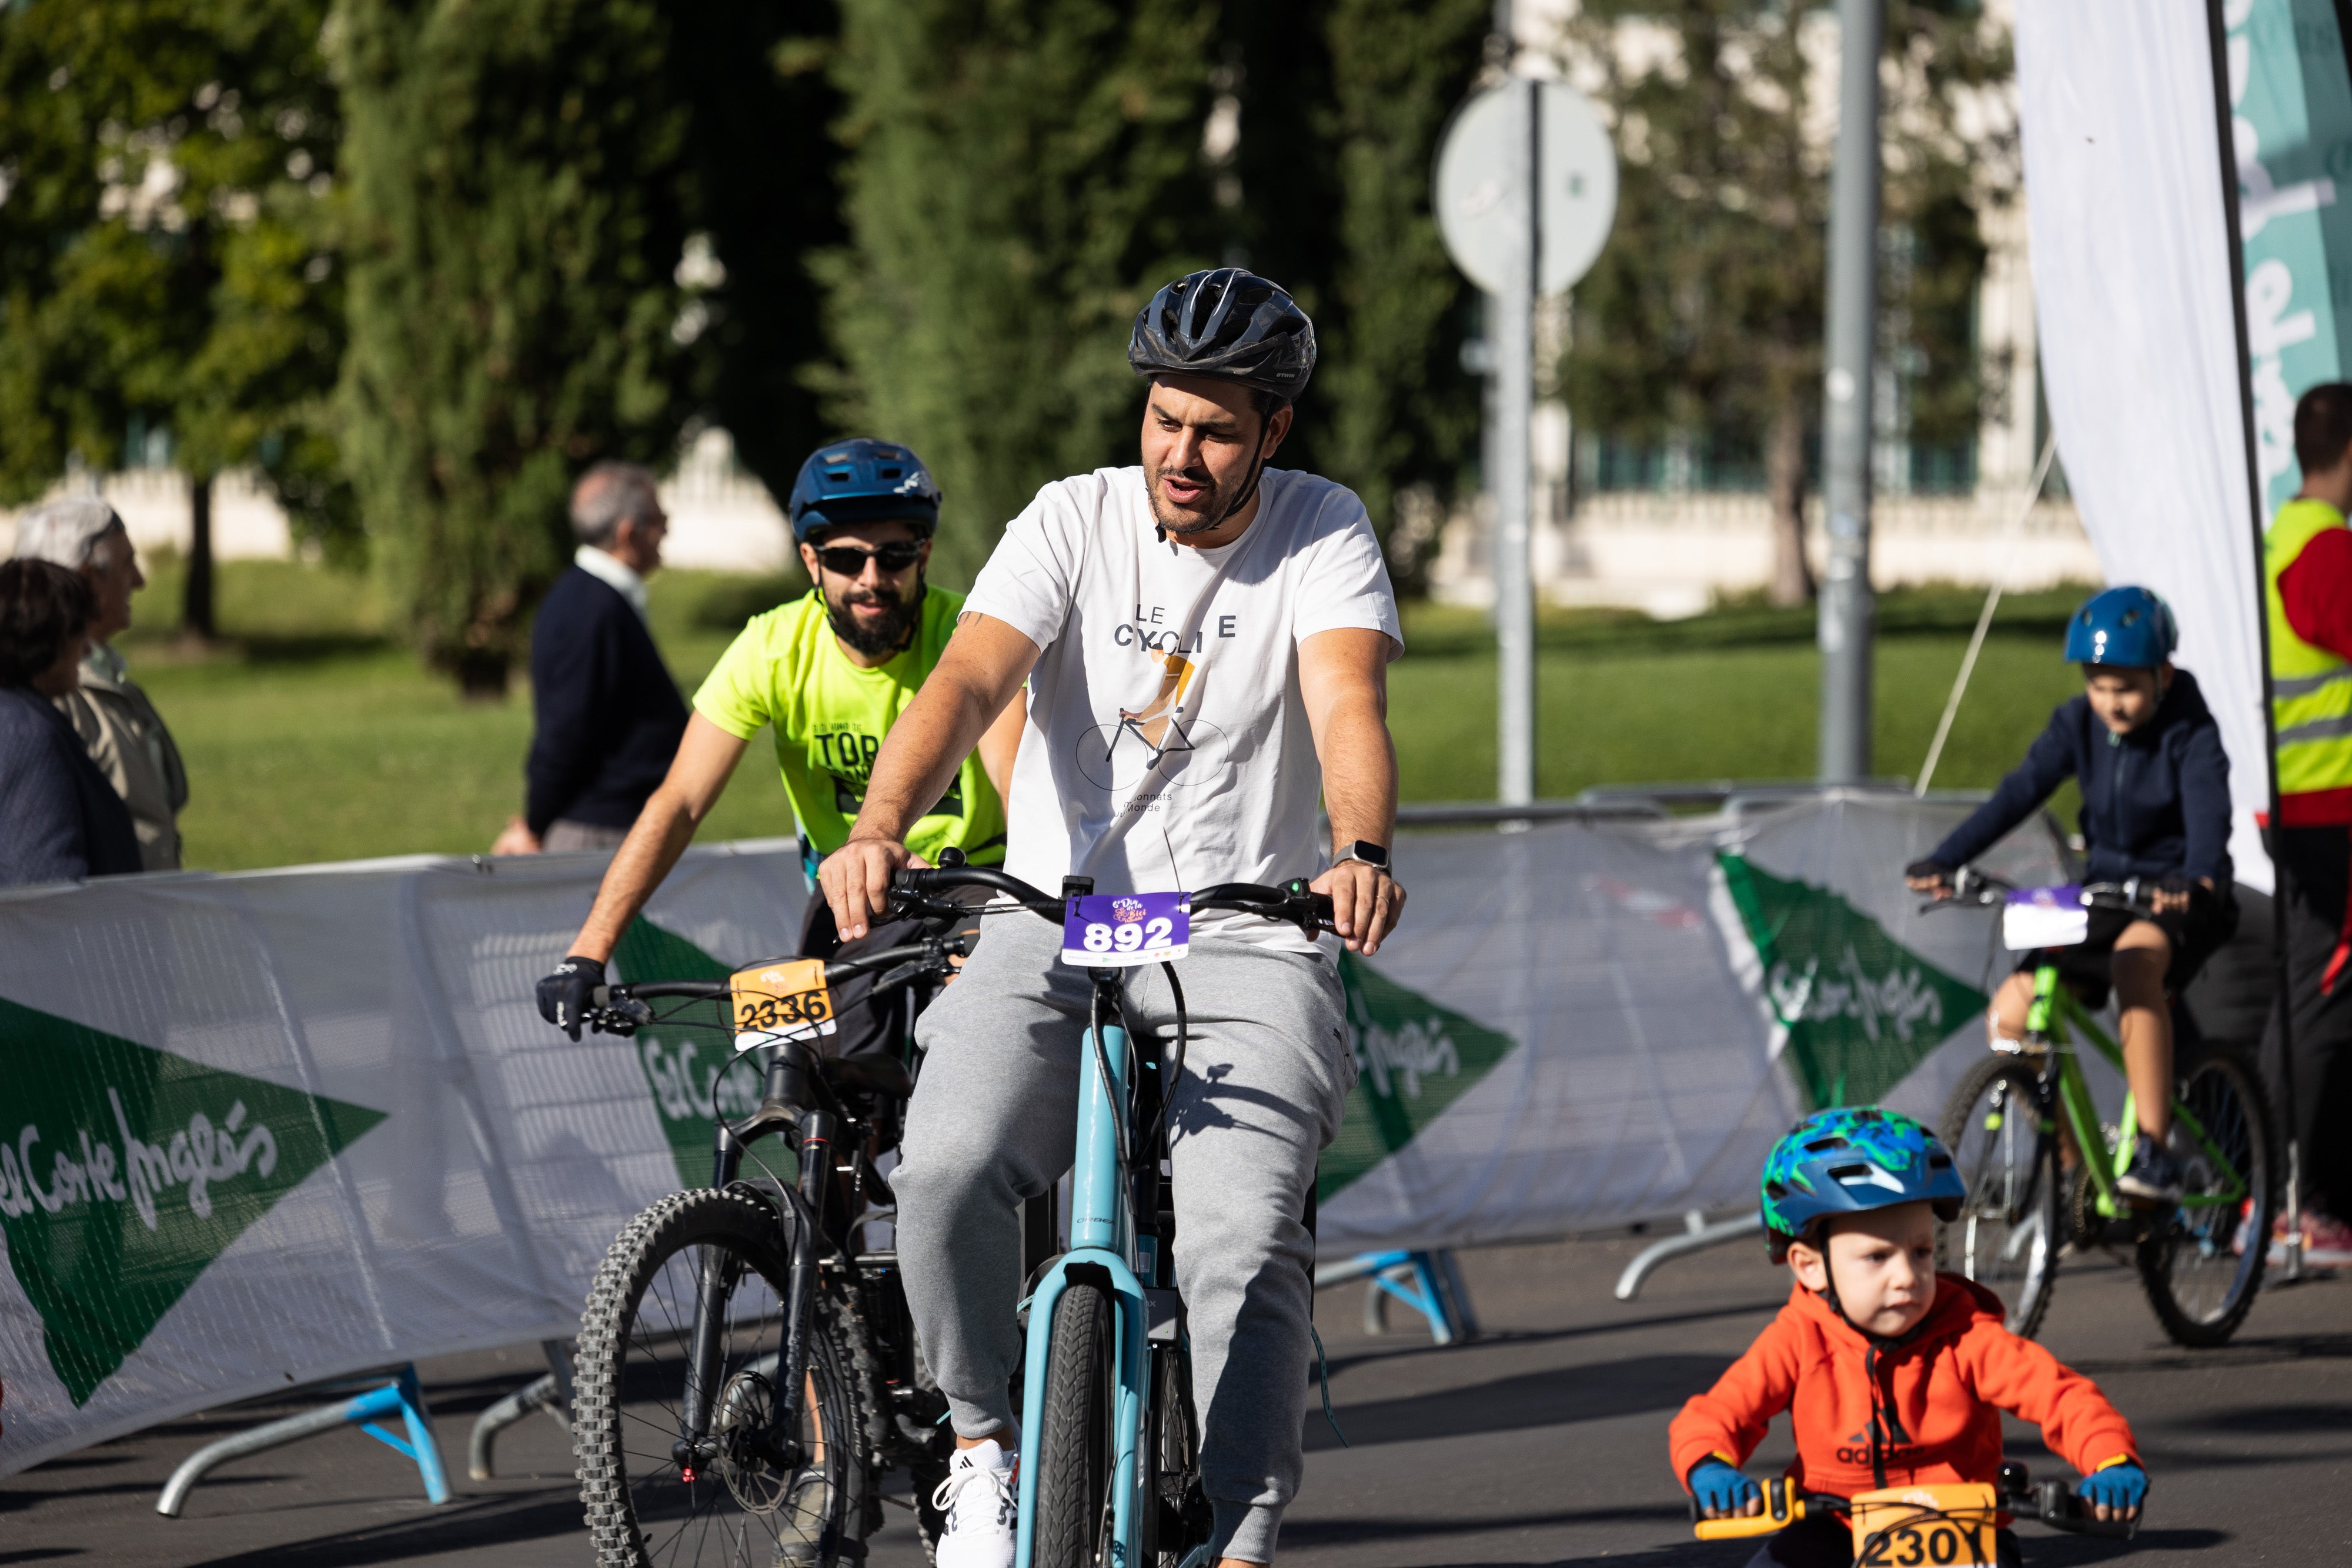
[(1112, 931)]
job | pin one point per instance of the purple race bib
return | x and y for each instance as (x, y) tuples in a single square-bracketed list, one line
[(1115, 930)]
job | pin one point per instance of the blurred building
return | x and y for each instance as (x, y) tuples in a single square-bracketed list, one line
[(1669, 527)]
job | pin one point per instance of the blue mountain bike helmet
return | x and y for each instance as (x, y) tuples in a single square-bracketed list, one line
[(861, 481), (1228, 325), (2131, 627), (1850, 1160)]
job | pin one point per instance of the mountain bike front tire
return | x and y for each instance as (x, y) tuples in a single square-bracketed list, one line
[(2009, 1229), (1074, 1443), (742, 1507), (2203, 1267)]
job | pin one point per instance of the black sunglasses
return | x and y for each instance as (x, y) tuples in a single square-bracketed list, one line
[(848, 561)]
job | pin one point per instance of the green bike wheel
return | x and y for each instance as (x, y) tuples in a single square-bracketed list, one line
[(2202, 1265), (2008, 1232), (1074, 1443)]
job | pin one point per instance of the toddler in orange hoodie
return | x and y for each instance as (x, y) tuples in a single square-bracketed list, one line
[(1892, 1373)]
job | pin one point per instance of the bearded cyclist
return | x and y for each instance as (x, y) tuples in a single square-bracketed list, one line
[(1205, 642), (830, 672)]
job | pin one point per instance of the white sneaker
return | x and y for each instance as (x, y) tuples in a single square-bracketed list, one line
[(980, 1500)]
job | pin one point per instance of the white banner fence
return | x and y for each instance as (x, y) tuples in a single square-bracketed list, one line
[(265, 1129)]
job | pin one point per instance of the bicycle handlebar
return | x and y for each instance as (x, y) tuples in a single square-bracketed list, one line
[(1310, 912), (2054, 1503), (1974, 889)]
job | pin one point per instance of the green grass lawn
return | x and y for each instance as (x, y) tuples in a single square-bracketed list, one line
[(310, 737)]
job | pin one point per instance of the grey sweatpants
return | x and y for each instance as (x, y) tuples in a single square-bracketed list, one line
[(994, 1121)]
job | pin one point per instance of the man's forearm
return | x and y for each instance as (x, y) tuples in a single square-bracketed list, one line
[(664, 830), (1359, 774), (919, 756)]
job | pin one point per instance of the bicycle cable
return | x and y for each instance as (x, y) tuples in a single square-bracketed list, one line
[(1102, 1064)]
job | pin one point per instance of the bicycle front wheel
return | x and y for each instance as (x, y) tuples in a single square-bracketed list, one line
[(2007, 1234), (751, 1494), (2203, 1266), (1073, 1446)]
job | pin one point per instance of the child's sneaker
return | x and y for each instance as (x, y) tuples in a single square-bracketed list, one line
[(978, 1499), (2152, 1176), (2326, 1241)]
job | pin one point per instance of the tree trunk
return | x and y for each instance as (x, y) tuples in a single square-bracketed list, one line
[(196, 600), (1793, 579)]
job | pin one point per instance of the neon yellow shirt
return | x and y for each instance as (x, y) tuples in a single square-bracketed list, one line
[(786, 670)]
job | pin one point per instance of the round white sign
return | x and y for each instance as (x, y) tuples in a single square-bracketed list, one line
[(1576, 178)]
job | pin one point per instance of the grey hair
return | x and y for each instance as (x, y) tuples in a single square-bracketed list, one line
[(609, 495), (70, 531)]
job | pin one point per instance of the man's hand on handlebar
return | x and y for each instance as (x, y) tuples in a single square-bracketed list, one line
[(1366, 903), (856, 883), (1930, 878), (572, 992), (2171, 893)]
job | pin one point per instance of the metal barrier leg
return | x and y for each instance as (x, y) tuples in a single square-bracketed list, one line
[(1428, 1283), (552, 1392), (402, 1394), (1699, 1239)]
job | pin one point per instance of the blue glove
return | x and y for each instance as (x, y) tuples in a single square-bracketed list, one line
[(2117, 1487), (1720, 1489)]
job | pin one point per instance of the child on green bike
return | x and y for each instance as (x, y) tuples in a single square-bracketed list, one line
[(2155, 806), (1892, 1375)]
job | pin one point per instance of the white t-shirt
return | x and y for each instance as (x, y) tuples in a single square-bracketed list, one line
[(1168, 748)]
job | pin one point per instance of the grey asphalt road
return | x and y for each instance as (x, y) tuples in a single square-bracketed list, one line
[(1544, 1443)]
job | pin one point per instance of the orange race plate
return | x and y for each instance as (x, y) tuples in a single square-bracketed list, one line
[(1948, 1526), (783, 1000)]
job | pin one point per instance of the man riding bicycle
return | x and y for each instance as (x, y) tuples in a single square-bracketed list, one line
[(831, 672), (2154, 781), (1205, 643)]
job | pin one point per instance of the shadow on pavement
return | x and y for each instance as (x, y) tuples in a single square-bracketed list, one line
[(463, 1526), (1410, 1344), (1547, 1398), (1361, 1531)]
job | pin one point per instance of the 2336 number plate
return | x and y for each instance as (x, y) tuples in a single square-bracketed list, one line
[(1113, 931), (787, 999)]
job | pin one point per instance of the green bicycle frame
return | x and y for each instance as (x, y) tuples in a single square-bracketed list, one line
[(2051, 1024)]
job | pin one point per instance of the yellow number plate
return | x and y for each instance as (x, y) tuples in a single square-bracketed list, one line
[(1948, 1526), (783, 1000)]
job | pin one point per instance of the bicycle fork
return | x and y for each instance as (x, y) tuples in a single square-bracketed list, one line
[(1104, 1252), (778, 1443)]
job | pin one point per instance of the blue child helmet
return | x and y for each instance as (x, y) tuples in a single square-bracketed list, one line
[(2131, 627), (1849, 1160), (861, 481)]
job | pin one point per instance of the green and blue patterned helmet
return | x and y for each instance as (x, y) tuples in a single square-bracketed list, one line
[(1850, 1159)]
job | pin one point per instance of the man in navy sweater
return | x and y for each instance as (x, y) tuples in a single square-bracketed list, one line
[(609, 715)]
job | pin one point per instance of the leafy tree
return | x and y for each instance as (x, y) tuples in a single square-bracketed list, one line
[(166, 168), (1018, 178), (1703, 317), (518, 214)]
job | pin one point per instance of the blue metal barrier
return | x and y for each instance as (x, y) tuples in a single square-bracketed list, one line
[(401, 1395), (1428, 1283)]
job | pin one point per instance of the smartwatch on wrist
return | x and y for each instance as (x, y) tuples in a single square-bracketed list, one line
[(1364, 850)]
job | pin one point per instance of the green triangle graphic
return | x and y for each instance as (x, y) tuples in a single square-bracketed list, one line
[(124, 1171), (1862, 1010), (686, 1057), (1414, 1059)]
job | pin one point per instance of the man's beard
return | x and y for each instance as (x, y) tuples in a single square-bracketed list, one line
[(887, 635), (1206, 516)]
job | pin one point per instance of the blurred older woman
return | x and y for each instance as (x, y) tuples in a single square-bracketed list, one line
[(118, 725), (60, 819)]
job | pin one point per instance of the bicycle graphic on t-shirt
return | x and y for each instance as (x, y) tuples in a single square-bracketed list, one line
[(1159, 739)]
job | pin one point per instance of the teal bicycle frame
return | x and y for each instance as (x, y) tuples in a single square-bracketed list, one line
[(2054, 1004), (1103, 1241)]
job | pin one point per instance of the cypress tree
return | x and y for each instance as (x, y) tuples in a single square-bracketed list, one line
[(1018, 178), (518, 213)]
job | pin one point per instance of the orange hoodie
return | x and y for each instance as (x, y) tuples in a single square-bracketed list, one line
[(1932, 1400)]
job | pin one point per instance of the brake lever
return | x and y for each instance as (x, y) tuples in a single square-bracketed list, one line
[(621, 1016)]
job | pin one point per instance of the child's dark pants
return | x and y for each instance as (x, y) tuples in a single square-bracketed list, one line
[(1826, 1540)]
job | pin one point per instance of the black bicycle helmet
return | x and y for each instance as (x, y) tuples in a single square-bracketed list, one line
[(1229, 325)]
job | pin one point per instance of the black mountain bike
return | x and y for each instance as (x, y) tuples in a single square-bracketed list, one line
[(747, 1370)]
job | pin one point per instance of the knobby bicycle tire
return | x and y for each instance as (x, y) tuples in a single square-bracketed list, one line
[(2203, 1267), (1074, 1443), (629, 1375), (1992, 1126)]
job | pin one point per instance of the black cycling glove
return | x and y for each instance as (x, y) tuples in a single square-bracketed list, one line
[(1936, 869), (566, 996)]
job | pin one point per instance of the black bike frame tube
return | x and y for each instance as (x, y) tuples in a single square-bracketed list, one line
[(799, 1284)]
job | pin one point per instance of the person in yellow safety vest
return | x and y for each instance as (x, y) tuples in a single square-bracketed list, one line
[(2307, 593)]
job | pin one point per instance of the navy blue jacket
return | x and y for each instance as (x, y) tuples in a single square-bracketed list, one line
[(59, 819), (2154, 802), (609, 715)]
